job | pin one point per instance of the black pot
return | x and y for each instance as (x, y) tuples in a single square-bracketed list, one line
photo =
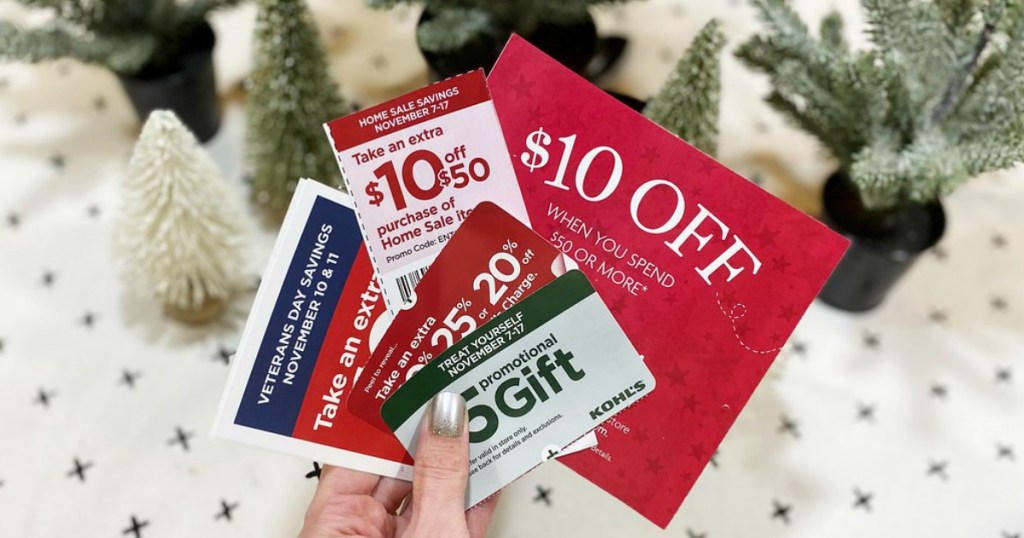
[(883, 244), (573, 45), (184, 85), (628, 100)]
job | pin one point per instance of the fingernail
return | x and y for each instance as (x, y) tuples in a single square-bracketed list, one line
[(447, 414)]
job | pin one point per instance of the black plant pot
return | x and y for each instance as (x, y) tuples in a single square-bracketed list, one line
[(628, 100), (573, 45), (883, 244), (184, 85)]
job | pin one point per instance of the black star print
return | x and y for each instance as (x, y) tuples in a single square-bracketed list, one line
[(693, 534), (43, 397), (136, 527), (998, 241), (1003, 375), (88, 319), (937, 316), (939, 391), (789, 426), (79, 470), (128, 377), (871, 341), (1005, 452), (315, 472), (48, 278), (863, 500), (938, 468), (224, 355), (181, 437), (781, 511), (93, 211), (13, 220), (543, 495), (225, 510), (999, 304), (866, 412), (58, 162), (99, 103)]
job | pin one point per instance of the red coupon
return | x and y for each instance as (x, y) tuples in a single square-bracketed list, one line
[(707, 273), (491, 263)]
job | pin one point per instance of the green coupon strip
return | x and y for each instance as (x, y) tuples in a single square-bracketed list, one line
[(535, 378)]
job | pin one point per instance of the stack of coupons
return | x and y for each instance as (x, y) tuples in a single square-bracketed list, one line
[(598, 291)]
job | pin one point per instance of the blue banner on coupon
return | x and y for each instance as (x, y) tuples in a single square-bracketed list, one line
[(302, 314)]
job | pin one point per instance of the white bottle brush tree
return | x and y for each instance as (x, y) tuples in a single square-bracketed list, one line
[(179, 230)]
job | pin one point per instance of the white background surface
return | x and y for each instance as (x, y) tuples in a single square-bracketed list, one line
[(936, 371)]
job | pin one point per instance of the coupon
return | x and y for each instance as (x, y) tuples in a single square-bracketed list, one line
[(491, 263), (549, 369), (315, 319), (416, 166), (707, 273)]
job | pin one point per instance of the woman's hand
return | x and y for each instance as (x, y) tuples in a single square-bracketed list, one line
[(351, 503)]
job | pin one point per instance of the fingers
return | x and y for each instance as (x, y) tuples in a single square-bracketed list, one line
[(336, 481), (342, 505), (441, 469), (390, 493), (479, 517)]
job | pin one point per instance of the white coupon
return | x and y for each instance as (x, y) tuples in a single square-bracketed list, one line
[(416, 166)]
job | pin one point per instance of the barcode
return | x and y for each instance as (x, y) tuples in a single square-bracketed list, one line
[(408, 283)]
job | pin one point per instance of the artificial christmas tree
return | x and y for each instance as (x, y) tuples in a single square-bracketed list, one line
[(179, 230), (159, 49), (687, 104), (290, 97), (937, 100)]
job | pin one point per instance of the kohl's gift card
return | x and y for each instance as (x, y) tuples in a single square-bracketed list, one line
[(535, 378)]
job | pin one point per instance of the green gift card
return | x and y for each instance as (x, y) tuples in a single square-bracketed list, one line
[(535, 378)]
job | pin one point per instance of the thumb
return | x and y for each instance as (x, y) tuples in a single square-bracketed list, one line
[(441, 468)]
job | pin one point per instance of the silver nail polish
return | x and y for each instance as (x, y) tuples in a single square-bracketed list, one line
[(447, 414)]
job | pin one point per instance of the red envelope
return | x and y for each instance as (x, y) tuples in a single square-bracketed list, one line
[(492, 262), (707, 273)]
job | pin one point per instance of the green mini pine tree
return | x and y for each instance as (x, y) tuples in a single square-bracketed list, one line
[(458, 22), (291, 95), (123, 35), (687, 104), (937, 100)]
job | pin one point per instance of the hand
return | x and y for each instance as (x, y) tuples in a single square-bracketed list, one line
[(350, 503)]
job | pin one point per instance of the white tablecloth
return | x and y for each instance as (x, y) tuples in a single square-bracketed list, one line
[(906, 421)]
